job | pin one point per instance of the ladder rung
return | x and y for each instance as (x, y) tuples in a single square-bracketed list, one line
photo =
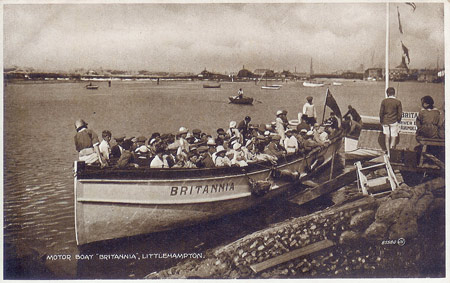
[(374, 166)]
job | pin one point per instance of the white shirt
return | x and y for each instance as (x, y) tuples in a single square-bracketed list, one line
[(105, 149), (158, 163), (291, 144), (309, 110)]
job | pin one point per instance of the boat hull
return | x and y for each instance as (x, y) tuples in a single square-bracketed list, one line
[(244, 100), (108, 206), (211, 86), (92, 87), (309, 84), (275, 87)]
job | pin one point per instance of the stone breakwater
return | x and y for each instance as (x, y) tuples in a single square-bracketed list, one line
[(400, 235)]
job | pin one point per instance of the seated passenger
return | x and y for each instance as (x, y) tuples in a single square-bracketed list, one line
[(159, 161), (191, 160), (104, 147), (233, 132), (86, 143), (310, 143), (429, 119), (127, 157), (142, 156), (303, 123), (221, 159), (261, 156), (117, 149), (332, 121), (239, 156), (204, 160), (290, 142), (274, 148)]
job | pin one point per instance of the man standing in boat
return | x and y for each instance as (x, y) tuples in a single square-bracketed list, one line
[(390, 117)]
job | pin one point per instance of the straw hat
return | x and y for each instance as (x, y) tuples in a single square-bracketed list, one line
[(211, 142), (220, 149), (182, 130), (233, 124), (236, 146), (279, 112)]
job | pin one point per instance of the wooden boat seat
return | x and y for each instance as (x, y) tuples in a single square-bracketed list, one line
[(425, 142)]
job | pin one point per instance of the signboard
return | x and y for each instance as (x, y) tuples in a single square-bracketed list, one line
[(408, 123)]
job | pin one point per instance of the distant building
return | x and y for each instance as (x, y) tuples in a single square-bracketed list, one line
[(244, 73), (374, 74)]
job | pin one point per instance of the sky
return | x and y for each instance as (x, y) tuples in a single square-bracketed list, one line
[(221, 37)]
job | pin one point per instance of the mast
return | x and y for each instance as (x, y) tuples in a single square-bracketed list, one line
[(386, 72)]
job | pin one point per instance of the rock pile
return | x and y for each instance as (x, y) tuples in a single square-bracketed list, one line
[(364, 232)]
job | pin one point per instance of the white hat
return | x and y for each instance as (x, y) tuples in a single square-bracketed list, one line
[(310, 133), (220, 148), (183, 130), (142, 149), (279, 112), (233, 124), (303, 131), (266, 133), (236, 146), (211, 142)]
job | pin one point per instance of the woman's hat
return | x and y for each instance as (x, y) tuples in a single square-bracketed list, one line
[(236, 146), (182, 130), (80, 123), (220, 148), (233, 124), (211, 142), (279, 112)]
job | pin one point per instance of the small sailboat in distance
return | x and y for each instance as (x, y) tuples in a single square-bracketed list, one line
[(312, 83)]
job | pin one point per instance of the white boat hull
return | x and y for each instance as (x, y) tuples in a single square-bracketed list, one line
[(310, 84)]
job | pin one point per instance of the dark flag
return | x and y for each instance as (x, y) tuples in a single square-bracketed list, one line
[(331, 102), (399, 22), (412, 5), (406, 51)]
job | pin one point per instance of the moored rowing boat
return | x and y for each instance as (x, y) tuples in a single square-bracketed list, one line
[(113, 203)]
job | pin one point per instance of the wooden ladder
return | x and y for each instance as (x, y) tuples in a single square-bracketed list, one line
[(378, 185)]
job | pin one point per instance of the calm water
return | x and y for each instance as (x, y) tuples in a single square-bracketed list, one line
[(39, 151)]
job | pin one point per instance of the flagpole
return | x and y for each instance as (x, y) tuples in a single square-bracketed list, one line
[(325, 105), (386, 72)]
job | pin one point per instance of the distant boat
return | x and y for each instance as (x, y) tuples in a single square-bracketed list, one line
[(337, 84), (89, 86), (271, 87), (243, 100), (274, 87), (312, 84), (211, 86)]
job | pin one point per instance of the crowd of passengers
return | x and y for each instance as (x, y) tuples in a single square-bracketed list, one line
[(239, 145)]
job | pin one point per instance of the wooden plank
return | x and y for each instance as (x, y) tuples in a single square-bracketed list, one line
[(324, 244), (435, 160), (325, 188)]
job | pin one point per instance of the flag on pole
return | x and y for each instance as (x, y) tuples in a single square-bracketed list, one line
[(399, 22), (406, 51), (331, 102), (412, 5)]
